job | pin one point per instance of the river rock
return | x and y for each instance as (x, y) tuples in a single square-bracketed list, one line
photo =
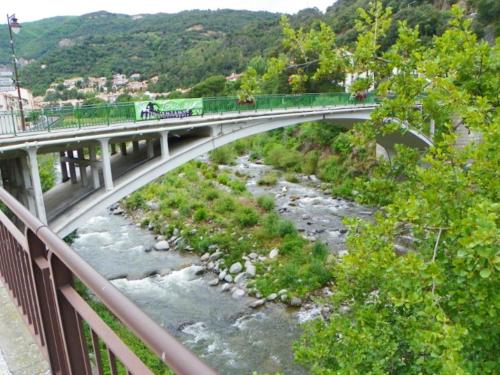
[(214, 282), (198, 270), (222, 275), (283, 298), (160, 238), (238, 293), (258, 295), (257, 303), (176, 232), (295, 302), (401, 250), (235, 268), (272, 297), (250, 269), (205, 257), (273, 253), (226, 287), (210, 266), (240, 277), (228, 279), (253, 256), (162, 246), (213, 247), (118, 211), (153, 205), (218, 254), (282, 291)]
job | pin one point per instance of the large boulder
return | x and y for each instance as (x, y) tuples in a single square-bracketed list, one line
[(162, 246), (235, 268)]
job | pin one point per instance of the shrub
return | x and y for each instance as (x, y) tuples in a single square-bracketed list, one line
[(200, 214), (135, 201), (270, 178), (237, 186), (223, 155), (285, 228), (266, 202), (211, 194), (342, 144), (291, 177), (224, 204), (247, 217), (310, 162)]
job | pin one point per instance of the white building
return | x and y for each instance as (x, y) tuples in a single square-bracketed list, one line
[(9, 100)]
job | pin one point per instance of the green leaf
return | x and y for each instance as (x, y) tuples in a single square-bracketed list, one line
[(485, 273)]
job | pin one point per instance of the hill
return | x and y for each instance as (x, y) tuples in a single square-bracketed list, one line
[(187, 47)]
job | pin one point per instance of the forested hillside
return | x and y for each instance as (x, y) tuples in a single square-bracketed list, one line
[(184, 47), (187, 47)]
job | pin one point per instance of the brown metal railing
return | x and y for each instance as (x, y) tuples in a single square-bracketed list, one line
[(39, 270)]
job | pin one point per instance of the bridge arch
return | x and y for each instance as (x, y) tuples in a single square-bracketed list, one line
[(220, 134)]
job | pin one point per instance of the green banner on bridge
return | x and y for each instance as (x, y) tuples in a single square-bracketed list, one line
[(172, 108)]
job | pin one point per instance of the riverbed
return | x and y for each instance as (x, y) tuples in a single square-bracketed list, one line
[(225, 332)]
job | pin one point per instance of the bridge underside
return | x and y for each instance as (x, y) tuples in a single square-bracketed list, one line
[(102, 167)]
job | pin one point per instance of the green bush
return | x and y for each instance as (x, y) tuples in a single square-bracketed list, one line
[(291, 177), (266, 202), (237, 186), (223, 155), (224, 204), (310, 164), (269, 179), (342, 144), (200, 214), (246, 217)]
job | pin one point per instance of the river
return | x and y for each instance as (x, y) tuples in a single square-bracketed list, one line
[(223, 331)]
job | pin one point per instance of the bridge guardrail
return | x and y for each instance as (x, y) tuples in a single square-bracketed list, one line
[(39, 271), (50, 119)]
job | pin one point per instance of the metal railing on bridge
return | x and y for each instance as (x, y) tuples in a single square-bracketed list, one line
[(39, 270), (51, 119)]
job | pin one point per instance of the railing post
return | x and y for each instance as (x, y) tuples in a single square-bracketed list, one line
[(70, 322), (46, 303)]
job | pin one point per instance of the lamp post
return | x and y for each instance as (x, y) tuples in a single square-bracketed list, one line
[(15, 27)]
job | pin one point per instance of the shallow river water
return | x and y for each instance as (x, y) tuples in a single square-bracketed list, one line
[(225, 332)]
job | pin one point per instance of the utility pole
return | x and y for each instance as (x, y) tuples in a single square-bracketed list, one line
[(16, 27)]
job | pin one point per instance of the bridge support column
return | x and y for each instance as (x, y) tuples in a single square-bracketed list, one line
[(165, 152), (135, 146), (123, 149), (72, 169), (37, 185), (150, 149), (25, 183), (64, 168), (94, 171), (82, 167), (106, 164)]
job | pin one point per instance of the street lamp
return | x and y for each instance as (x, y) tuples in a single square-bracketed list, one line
[(15, 27)]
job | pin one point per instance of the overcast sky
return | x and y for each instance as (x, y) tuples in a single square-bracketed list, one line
[(30, 10)]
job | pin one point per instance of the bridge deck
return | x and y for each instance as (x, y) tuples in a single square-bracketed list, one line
[(19, 355)]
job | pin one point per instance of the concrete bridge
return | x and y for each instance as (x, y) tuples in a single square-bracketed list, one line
[(102, 164)]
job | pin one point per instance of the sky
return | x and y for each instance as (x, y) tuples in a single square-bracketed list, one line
[(31, 10)]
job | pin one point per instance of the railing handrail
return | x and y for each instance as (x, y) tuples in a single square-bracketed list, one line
[(173, 353)]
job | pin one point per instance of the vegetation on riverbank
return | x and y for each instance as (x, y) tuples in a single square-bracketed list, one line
[(210, 208)]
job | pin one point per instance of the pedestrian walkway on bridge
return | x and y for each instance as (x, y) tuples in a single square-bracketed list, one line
[(19, 355)]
